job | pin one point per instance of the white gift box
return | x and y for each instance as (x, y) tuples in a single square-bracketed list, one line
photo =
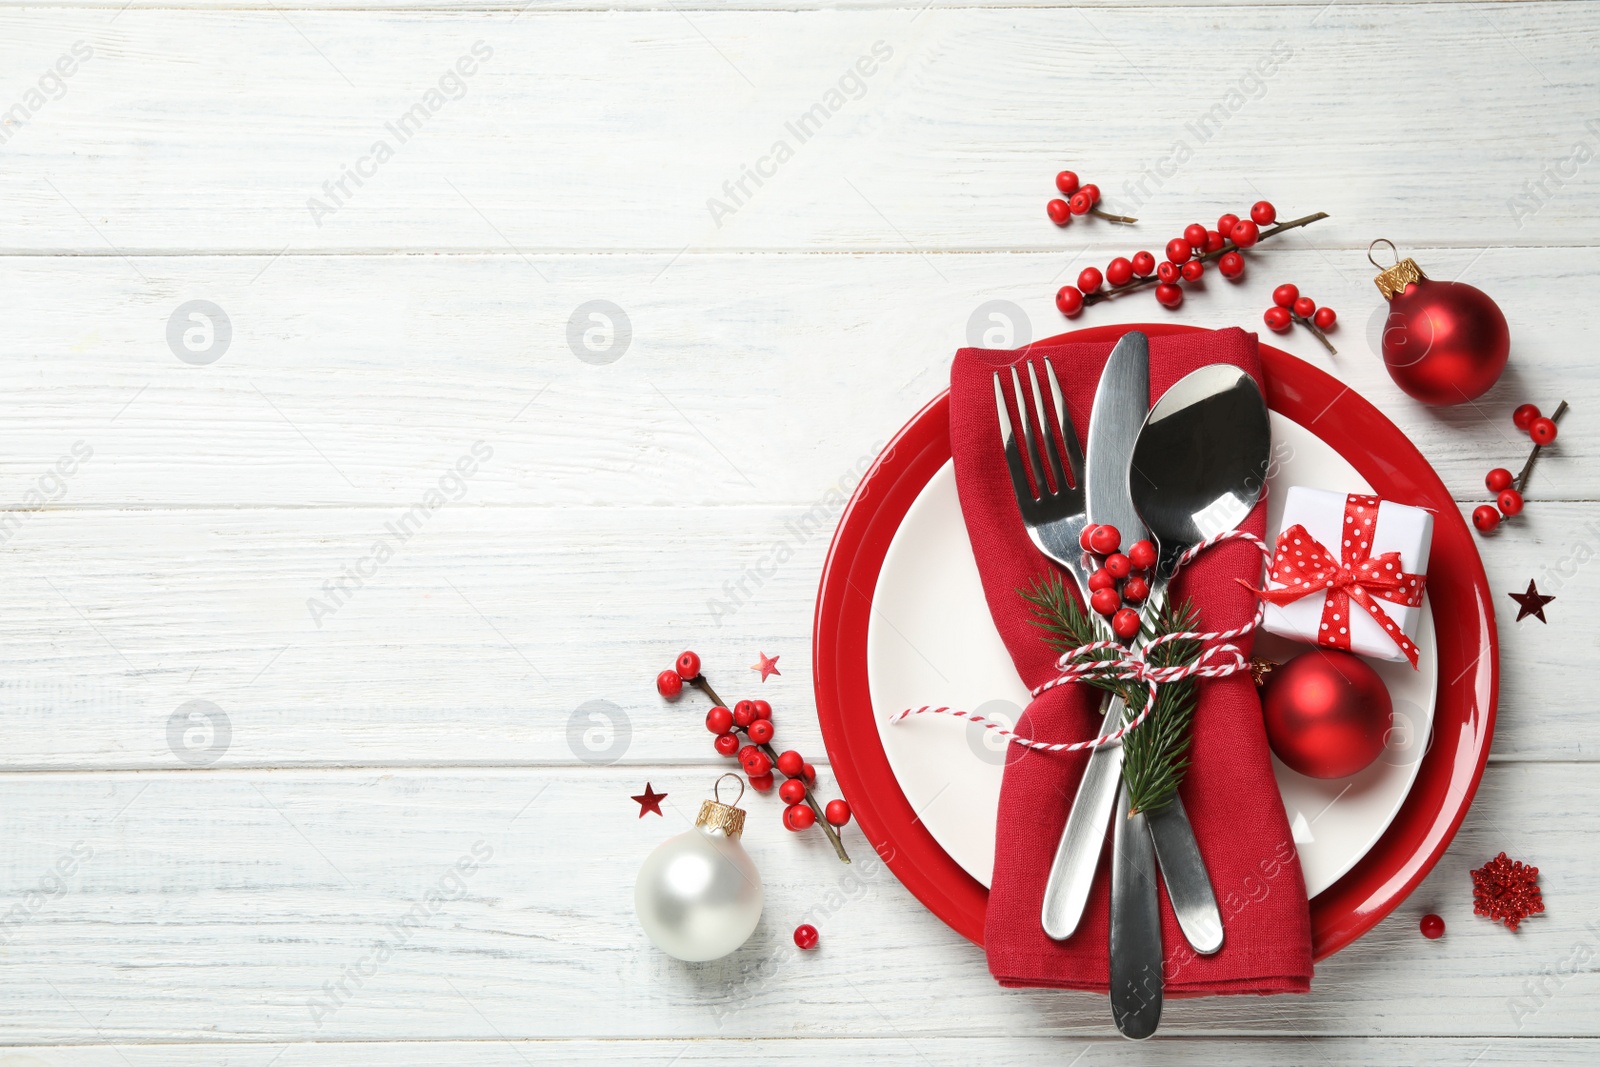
[(1344, 527)]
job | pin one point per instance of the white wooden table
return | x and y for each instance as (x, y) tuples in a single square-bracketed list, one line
[(188, 894)]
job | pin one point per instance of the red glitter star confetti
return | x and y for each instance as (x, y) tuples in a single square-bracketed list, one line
[(1531, 603), (1506, 891), (768, 665), (649, 801)]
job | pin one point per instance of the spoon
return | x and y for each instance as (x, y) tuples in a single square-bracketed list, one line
[(1198, 468)]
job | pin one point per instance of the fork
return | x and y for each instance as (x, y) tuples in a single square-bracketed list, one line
[(1055, 518)]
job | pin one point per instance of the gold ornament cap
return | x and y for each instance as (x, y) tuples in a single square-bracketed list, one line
[(1260, 667), (1392, 281), (715, 815)]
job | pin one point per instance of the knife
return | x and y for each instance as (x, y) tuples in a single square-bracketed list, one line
[(1121, 401)]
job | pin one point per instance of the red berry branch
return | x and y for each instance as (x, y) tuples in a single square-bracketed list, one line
[(1289, 307), (1508, 490), (753, 718), (1186, 259), (1132, 569), (1082, 200)]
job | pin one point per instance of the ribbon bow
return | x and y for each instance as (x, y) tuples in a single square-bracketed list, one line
[(1305, 567)]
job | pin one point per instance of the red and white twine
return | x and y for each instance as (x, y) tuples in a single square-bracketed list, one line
[(1131, 664)]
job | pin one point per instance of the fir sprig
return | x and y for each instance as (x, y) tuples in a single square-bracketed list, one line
[(1155, 755)]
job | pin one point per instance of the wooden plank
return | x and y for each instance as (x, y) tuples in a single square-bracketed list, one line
[(909, 1050), (214, 906), (497, 635), (738, 380), (216, 130)]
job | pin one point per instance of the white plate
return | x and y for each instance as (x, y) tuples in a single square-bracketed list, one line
[(931, 642)]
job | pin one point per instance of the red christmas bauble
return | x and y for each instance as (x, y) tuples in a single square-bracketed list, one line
[(1444, 342), (1326, 713)]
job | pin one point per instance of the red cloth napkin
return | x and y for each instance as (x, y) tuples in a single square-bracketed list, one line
[(1229, 791)]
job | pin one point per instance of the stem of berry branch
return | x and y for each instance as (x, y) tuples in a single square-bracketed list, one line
[(1314, 328), (704, 686), (1527, 468), (1126, 219), (1227, 246)]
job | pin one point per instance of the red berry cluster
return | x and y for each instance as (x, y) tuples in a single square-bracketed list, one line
[(1121, 579), (1081, 200), (1186, 259), (1289, 307), (1506, 891), (753, 719), (1508, 490)]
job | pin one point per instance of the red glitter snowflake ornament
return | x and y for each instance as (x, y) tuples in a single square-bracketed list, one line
[(1506, 891)]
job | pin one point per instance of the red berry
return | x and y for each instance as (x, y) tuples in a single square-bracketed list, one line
[(793, 791), (1497, 479), (1509, 502), (1067, 182), (669, 684), (1286, 294), (688, 666), (1195, 234), (1305, 307), (1105, 601), (1144, 264), (1277, 319), (1168, 272), (1226, 223), (1432, 927), (1214, 241), (1178, 250), (1058, 211), (1092, 191), (1524, 415), (760, 731), (1168, 295), (1106, 539), (1125, 623), (757, 765), (1142, 554), (1231, 264), (1090, 279), (798, 817), (1117, 565), (1135, 590), (1325, 318), (747, 752), (1542, 430), (719, 720), (837, 812), (1069, 301), (761, 782), (1085, 539), (1245, 233), (763, 709), (805, 935), (789, 762), (808, 772), (1192, 270), (1119, 271), (1485, 517), (727, 744), (1263, 213), (1080, 203), (744, 713), (1101, 579)]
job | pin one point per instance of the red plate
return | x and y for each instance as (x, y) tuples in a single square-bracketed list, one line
[(1469, 668)]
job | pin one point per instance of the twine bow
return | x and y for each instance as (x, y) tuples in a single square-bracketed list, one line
[(1130, 664)]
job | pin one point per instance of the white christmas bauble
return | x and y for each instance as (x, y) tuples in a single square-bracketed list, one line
[(699, 896)]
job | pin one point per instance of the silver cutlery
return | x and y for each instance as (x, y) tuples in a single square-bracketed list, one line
[(1122, 400)]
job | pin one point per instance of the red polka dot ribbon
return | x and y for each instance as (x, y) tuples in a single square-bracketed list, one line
[(1305, 567)]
